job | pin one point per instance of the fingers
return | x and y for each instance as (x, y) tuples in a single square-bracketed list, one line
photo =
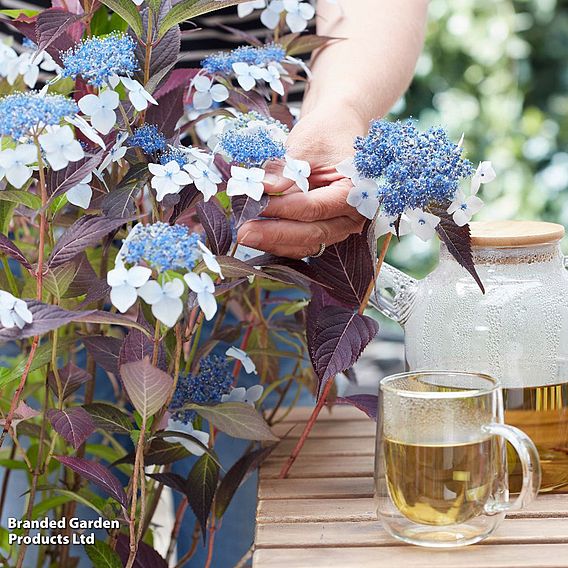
[(318, 204), (295, 239), (274, 181)]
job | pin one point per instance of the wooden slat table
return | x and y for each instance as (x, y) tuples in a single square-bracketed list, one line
[(323, 515)]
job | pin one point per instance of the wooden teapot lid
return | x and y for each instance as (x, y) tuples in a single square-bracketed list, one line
[(514, 233)]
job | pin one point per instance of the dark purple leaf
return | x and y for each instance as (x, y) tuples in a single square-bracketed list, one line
[(245, 208), (105, 351), (61, 181), (320, 299), (146, 556), (246, 102), (367, 403), (45, 318), (176, 79), (136, 346), (71, 378), (108, 418), (457, 239), (303, 44), (235, 268), (98, 474), (98, 316), (339, 339), (10, 249), (87, 231), (171, 480), (282, 113), (167, 113), (346, 269), (236, 476), (74, 424), (160, 452), (52, 25), (147, 387), (26, 25), (183, 210), (201, 487), (119, 203), (223, 166), (216, 226)]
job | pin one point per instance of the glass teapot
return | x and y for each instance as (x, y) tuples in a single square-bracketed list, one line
[(517, 331)]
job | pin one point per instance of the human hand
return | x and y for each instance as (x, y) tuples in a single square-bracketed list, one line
[(301, 222)]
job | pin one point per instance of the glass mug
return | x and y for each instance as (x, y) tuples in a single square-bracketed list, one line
[(441, 458)]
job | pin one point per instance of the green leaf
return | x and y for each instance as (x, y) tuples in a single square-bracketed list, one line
[(201, 487), (15, 13), (58, 280), (102, 555), (6, 210), (21, 197), (76, 496), (237, 419), (160, 452), (126, 9), (45, 505), (187, 9), (109, 418)]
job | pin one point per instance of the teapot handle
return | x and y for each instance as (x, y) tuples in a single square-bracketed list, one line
[(394, 294)]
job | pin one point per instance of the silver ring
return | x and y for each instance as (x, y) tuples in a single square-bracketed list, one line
[(320, 252)]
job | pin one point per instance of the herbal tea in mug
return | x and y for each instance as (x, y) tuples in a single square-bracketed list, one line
[(441, 467), (517, 331)]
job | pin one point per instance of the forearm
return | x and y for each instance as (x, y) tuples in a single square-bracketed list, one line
[(371, 68)]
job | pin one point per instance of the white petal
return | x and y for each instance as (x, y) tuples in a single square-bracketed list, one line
[(208, 304), (80, 195), (26, 153), (461, 217), (89, 104), (254, 393), (18, 175), (270, 18), (202, 101), (104, 120), (21, 308), (123, 297), (138, 100), (219, 93), (368, 207), (151, 292), (296, 22), (194, 282), (117, 276), (241, 356), (73, 151), (202, 83), (109, 99), (138, 276), (157, 169), (168, 310), (247, 82), (174, 288), (347, 168), (474, 204)]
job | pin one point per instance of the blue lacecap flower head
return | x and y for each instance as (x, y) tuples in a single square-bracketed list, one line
[(175, 155), (22, 114), (96, 59), (149, 138), (213, 380), (222, 61), (413, 168), (163, 247), (252, 139)]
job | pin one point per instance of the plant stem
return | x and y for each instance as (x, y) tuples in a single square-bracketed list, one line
[(6, 479), (182, 563), (381, 259), (180, 512), (212, 530)]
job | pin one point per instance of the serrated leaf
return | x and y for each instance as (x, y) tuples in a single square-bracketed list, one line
[(159, 452), (104, 350), (237, 419), (8, 248), (216, 226), (236, 476), (136, 346), (303, 44), (246, 208), (367, 403), (235, 268), (52, 24), (166, 114), (109, 418), (102, 555), (147, 387), (58, 280), (74, 424), (87, 231), (201, 487), (119, 203), (30, 200), (187, 9), (59, 182), (457, 240), (71, 377), (340, 337), (171, 480), (146, 556), (98, 474), (345, 269), (126, 9)]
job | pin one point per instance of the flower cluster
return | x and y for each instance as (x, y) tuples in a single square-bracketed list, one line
[(162, 247), (252, 139), (148, 138), (98, 60), (297, 13), (208, 386), (22, 114), (13, 311), (222, 62), (26, 65)]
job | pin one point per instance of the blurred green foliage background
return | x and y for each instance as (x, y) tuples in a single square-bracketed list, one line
[(497, 70)]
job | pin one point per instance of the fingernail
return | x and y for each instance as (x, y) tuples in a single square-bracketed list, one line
[(251, 239)]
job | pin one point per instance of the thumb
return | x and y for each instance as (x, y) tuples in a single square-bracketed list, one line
[(274, 180)]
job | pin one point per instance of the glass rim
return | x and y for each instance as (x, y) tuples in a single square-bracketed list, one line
[(384, 385)]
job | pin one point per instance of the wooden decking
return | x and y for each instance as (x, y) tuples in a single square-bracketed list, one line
[(323, 516)]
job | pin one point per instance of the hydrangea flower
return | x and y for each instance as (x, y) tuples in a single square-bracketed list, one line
[(98, 59), (246, 181), (165, 299), (149, 138), (222, 61), (298, 171), (206, 92), (205, 178), (168, 179), (13, 311), (204, 287), (240, 355), (23, 114), (138, 95), (162, 246), (386, 224), (80, 195), (60, 147), (422, 224), (241, 394), (297, 14), (251, 139), (124, 283), (100, 108), (15, 164), (412, 168), (192, 447), (213, 380)]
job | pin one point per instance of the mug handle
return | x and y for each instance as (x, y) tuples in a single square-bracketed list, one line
[(528, 455)]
